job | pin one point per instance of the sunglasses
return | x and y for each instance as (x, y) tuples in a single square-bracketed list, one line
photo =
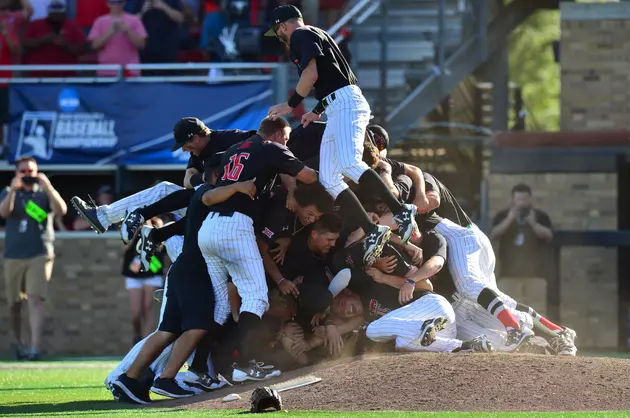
[(26, 171)]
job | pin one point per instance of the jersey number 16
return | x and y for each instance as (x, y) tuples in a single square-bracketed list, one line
[(232, 171)]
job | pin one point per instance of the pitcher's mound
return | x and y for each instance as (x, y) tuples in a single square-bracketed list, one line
[(452, 382)]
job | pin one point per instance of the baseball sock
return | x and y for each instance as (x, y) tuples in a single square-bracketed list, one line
[(490, 301), (541, 324), (374, 183), (352, 212), (174, 201), (248, 324), (200, 360), (169, 230)]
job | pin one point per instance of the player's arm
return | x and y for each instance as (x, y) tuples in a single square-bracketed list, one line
[(421, 200), (271, 268), (434, 249), (192, 178), (223, 193), (386, 176), (307, 79), (307, 176), (284, 162)]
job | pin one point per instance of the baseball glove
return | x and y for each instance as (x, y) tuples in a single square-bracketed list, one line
[(264, 398)]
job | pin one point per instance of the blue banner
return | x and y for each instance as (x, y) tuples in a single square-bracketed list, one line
[(123, 123)]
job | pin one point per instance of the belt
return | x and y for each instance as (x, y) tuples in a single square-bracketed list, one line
[(326, 101), (224, 214)]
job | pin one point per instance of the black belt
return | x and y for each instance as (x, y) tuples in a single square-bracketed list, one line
[(225, 214), (326, 101)]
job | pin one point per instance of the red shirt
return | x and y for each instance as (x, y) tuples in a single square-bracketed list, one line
[(211, 6), (14, 22), (89, 10), (51, 53)]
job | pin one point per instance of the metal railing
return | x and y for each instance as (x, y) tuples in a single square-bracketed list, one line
[(358, 14)]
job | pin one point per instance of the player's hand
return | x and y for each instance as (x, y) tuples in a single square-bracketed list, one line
[(293, 331), (298, 348), (422, 203), (287, 287), (317, 319), (374, 217), (406, 293), (16, 183), (386, 264), (309, 117), (247, 187), (333, 340), (415, 253), (291, 202), (280, 251), (279, 110), (377, 275), (44, 182)]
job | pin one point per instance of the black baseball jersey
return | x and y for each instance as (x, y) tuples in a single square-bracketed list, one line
[(449, 207), (333, 71), (219, 141), (254, 159), (305, 143), (301, 261), (277, 221)]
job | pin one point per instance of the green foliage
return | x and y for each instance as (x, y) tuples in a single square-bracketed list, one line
[(532, 67)]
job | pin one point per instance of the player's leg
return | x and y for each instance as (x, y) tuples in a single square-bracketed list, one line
[(348, 121), (352, 212), (102, 217), (561, 339), (150, 239), (468, 328)]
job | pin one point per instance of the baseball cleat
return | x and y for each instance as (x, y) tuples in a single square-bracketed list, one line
[(203, 381), (429, 330), (517, 337), (569, 334), (168, 387), (562, 345), (88, 212), (373, 244), (146, 247), (133, 220), (481, 344), (130, 390), (253, 371), (406, 221), (21, 352)]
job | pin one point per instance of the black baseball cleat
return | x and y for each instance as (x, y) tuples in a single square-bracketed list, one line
[(204, 381), (406, 221), (88, 212), (429, 330), (133, 220), (146, 247), (21, 352), (128, 390), (253, 371), (373, 244), (168, 387)]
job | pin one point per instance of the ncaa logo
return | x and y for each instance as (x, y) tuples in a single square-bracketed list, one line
[(36, 131), (68, 100)]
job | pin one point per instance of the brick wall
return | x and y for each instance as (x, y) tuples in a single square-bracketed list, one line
[(594, 57), (588, 275), (88, 306)]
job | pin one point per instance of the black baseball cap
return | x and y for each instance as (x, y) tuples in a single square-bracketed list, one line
[(281, 14), (185, 129), (380, 136)]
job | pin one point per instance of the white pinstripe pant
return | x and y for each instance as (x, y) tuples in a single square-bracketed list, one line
[(229, 246), (341, 151), (114, 213), (404, 324)]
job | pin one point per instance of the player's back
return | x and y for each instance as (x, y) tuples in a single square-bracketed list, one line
[(304, 143)]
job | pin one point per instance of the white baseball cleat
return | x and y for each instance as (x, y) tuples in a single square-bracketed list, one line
[(480, 344), (517, 337), (429, 329)]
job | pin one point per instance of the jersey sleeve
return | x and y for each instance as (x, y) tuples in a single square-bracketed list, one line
[(433, 244), (282, 160), (305, 45), (398, 168), (195, 162)]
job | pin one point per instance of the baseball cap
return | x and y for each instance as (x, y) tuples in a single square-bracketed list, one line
[(380, 136), (185, 129), (57, 6), (281, 14)]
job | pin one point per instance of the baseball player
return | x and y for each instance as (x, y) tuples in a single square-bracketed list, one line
[(227, 237), (190, 134), (322, 66)]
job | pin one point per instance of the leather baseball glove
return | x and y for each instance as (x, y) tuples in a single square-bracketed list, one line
[(264, 398)]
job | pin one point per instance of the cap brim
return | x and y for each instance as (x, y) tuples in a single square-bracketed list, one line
[(271, 32), (176, 147)]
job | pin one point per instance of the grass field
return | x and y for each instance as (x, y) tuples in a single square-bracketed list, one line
[(75, 388)]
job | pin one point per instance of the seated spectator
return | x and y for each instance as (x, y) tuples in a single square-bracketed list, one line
[(53, 40), (118, 37), (162, 20), (88, 11), (104, 196)]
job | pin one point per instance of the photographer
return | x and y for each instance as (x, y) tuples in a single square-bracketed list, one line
[(28, 251), (522, 233)]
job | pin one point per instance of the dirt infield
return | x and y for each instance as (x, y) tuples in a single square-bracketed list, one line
[(450, 382)]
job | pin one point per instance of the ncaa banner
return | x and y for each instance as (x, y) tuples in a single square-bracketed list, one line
[(123, 123)]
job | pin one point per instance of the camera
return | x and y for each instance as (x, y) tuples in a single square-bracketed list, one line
[(523, 212), (30, 180)]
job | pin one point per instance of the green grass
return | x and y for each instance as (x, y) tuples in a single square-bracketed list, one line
[(75, 388)]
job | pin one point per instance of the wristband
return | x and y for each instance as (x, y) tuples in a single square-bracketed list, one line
[(196, 180), (281, 280), (319, 108), (409, 281), (295, 100)]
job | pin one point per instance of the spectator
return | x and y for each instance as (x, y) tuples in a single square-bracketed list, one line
[(118, 37), (29, 254), (88, 11), (213, 23), (162, 20), (53, 40), (522, 233), (104, 196), (15, 18)]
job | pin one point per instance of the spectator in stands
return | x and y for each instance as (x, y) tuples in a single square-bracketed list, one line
[(53, 40), (162, 20), (28, 254), (523, 233), (118, 37), (88, 11), (213, 23), (104, 196), (15, 19)]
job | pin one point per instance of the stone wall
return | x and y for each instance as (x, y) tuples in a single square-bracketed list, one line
[(88, 306), (588, 275), (594, 57)]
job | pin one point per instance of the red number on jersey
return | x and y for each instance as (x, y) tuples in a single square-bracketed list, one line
[(232, 171)]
